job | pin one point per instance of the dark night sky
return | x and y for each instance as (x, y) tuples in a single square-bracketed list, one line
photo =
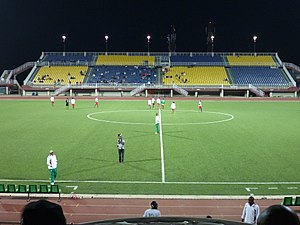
[(29, 27)]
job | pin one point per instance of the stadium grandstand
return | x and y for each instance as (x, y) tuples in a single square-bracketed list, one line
[(138, 74)]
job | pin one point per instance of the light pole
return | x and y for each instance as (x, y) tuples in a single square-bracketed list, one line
[(212, 37), (106, 43), (254, 44), (64, 42), (148, 43)]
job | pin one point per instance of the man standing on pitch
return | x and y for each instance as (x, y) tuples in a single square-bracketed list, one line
[(52, 166), (96, 102), (121, 148), (73, 101), (52, 100), (200, 105), (157, 122)]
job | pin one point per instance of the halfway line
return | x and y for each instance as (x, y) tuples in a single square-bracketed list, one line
[(163, 178)]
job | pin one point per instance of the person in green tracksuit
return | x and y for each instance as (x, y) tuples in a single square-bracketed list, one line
[(52, 166)]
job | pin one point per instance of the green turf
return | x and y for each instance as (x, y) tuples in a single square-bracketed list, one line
[(225, 150)]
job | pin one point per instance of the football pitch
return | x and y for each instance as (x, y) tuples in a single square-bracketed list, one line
[(231, 148)]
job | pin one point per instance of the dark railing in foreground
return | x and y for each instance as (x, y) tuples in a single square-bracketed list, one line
[(152, 220), (166, 221)]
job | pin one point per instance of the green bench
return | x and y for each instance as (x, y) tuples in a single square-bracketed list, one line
[(288, 201), (30, 189)]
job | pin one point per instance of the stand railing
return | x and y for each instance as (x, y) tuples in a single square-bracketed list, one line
[(180, 90), (256, 91), (61, 89), (137, 90)]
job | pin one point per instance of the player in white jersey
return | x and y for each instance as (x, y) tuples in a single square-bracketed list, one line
[(149, 103), (200, 105), (173, 107)]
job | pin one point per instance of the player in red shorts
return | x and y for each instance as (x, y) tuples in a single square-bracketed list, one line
[(200, 105), (96, 102), (52, 100)]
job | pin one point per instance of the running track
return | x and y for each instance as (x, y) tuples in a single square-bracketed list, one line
[(93, 209)]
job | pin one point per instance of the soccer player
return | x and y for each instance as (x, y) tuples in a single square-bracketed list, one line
[(153, 102), (96, 102), (173, 107), (73, 101), (52, 100), (200, 105), (52, 166), (162, 103), (158, 102), (157, 122), (149, 103)]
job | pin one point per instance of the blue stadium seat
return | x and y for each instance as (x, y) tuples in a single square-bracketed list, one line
[(258, 76), (122, 74)]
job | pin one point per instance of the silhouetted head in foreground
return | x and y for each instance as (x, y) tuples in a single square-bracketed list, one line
[(43, 212), (154, 205), (278, 215)]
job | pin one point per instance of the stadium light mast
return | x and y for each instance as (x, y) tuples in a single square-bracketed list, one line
[(212, 37), (254, 44), (106, 43), (64, 42), (148, 43)]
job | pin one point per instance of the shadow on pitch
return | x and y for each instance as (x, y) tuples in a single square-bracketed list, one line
[(176, 134), (108, 164), (142, 169), (143, 160)]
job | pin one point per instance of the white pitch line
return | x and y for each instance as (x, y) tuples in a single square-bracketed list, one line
[(158, 182), (163, 177)]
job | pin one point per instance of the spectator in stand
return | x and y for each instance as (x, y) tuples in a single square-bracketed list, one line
[(153, 211)]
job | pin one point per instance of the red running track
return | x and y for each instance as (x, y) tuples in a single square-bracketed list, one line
[(88, 209)]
